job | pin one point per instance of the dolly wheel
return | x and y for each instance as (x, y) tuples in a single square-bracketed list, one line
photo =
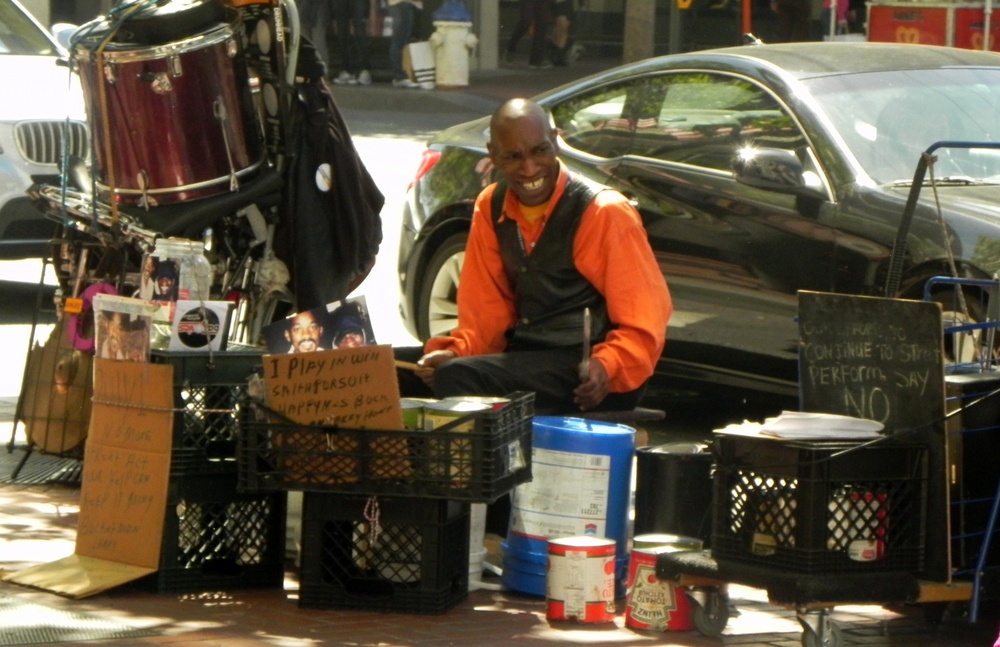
[(710, 611), (818, 631)]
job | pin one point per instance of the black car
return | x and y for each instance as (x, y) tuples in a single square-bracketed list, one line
[(759, 171)]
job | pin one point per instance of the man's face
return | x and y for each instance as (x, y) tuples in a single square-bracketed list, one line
[(526, 152), (304, 334), (351, 339), (165, 284)]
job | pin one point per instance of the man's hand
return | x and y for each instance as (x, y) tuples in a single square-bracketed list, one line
[(429, 362), (594, 389)]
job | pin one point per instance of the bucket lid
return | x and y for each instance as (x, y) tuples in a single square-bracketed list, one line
[(582, 424)]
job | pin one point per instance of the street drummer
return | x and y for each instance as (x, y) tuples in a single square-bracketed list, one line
[(524, 290)]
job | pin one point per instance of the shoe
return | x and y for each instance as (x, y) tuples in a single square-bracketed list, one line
[(540, 66), (364, 77), (345, 78), (404, 83), (575, 51)]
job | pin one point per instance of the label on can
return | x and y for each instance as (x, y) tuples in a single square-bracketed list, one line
[(580, 583), (413, 412), (866, 550), (651, 603), (437, 414)]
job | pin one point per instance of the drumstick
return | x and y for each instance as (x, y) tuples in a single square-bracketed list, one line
[(409, 366)]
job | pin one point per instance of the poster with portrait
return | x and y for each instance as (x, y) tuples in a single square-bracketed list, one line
[(340, 324), (122, 327)]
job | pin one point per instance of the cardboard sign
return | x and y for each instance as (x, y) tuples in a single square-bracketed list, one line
[(347, 387), (126, 473)]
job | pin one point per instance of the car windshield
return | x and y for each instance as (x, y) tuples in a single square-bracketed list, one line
[(888, 119), (20, 36)]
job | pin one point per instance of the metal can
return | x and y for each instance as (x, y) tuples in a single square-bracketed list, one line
[(651, 603), (413, 412), (437, 414), (580, 583)]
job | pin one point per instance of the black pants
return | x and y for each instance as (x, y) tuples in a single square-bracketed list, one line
[(550, 374)]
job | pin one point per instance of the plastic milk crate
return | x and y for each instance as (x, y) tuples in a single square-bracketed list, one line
[(415, 561), (449, 462), (210, 399), (817, 506), (215, 537)]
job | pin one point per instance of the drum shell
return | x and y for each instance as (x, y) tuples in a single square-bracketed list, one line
[(152, 112)]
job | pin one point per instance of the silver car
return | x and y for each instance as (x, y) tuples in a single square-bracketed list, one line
[(41, 108)]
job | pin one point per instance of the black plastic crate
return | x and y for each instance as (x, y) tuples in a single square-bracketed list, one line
[(210, 401), (807, 506), (416, 561), (217, 538), (478, 465)]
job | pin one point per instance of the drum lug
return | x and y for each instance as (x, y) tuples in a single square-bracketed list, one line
[(109, 73), (174, 62), (232, 49)]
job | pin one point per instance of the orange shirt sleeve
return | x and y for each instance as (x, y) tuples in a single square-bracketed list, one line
[(612, 251), (485, 301)]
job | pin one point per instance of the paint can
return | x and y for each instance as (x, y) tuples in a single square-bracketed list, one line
[(413, 412), (653, 604), (580, 583)]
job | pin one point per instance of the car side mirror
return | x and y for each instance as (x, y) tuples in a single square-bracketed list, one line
[(775, 169)]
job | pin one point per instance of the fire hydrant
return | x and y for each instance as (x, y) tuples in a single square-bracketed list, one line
[(453, 44)]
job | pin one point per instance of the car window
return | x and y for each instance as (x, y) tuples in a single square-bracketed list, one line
[(18, 35), (689, 117), (888, 119)]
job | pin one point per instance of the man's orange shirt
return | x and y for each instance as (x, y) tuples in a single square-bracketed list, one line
[(611, 250)]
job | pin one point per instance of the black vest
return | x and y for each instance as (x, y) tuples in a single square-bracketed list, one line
[(549, 292)]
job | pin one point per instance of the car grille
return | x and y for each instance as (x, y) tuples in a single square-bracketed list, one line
[(40, 142)]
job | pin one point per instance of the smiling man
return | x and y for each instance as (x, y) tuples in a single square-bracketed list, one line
[(304, 333), (545, 246)]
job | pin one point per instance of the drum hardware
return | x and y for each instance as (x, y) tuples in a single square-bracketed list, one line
[(219, 109), (94, 218), (159, 83)]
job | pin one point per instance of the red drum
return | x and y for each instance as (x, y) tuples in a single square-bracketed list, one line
[(171, 122)]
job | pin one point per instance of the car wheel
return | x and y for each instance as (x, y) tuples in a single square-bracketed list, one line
[(437, 304)]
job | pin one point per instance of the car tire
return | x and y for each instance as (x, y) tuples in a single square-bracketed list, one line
[(437, 301)]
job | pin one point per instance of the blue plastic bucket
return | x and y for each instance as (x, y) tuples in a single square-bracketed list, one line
[(581, 476)]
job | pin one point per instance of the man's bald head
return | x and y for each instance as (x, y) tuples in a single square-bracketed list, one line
[(524, 148)]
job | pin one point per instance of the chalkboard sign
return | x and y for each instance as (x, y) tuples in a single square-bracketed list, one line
[(882, 359), (874, 358)]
